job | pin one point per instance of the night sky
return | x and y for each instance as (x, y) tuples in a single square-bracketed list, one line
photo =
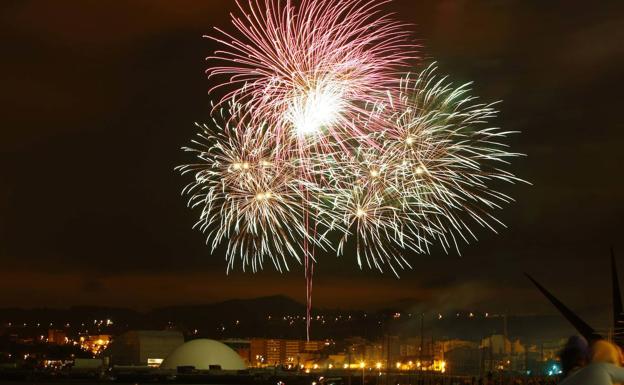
[(98, 96)]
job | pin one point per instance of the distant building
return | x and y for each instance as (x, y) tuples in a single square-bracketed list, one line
[(497, 344), (87, 365), (500, 353), (391, 351), (263, 352), (143, 347), (464, 360), (549, 350), (57, 337), (242, 347), (373, 352), (204, 354), (410, 347), (95, 343)]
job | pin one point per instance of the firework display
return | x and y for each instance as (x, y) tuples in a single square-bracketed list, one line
[(322, 141)]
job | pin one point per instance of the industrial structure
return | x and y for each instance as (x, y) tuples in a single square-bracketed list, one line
[(617, 330)]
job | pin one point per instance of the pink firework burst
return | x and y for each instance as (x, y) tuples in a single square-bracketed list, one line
[(310, 70)]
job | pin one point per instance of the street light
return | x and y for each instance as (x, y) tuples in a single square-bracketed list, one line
[(362, 365)]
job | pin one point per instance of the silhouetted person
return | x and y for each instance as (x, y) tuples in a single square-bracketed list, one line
[(604, 369), (575, 355)]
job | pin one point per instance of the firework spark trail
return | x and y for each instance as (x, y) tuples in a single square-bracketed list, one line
[(312, 67), (441, 133), (324, 144), (431, 170), (359, 200), (247, 198)]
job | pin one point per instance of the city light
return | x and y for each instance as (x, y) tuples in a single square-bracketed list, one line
[(309, 359), (554, 370)]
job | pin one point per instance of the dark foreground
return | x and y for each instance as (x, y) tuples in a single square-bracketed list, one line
[(268, 378)]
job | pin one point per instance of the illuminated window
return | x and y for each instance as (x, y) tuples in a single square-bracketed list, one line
[(154, 362)]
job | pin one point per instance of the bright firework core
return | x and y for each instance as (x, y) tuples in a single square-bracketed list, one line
[(319, 107)]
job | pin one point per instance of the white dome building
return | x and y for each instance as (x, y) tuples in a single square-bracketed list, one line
[(201, 354)]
